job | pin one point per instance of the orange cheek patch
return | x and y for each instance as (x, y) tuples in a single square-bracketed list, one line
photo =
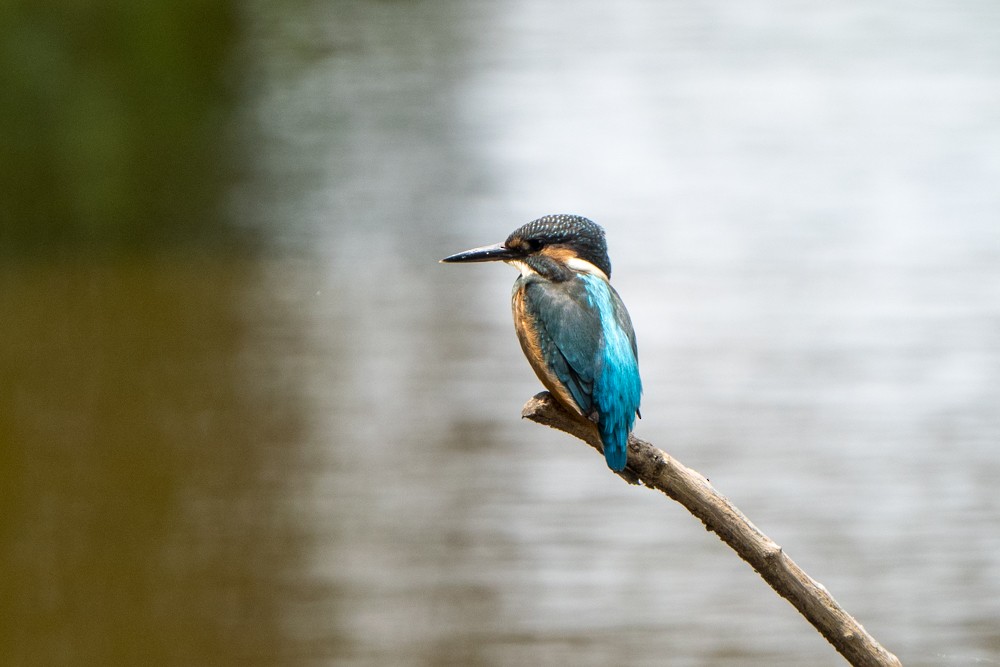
[(559, 253)]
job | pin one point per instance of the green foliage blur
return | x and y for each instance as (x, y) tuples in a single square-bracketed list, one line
[(112, 119)]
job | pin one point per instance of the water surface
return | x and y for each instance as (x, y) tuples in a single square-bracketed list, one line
[(309, 451)]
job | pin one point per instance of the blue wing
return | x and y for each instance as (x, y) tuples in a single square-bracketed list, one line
[(579, 339), (567, 338)]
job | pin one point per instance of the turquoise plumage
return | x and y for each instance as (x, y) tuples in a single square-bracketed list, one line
[(572, 325)]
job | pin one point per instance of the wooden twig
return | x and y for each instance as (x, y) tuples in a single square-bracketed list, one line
[(654, 468)]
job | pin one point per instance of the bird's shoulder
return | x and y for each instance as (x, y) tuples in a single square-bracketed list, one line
[(557, 300), (563, 314)]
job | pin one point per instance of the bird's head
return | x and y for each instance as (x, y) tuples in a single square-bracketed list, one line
[(554, 246)]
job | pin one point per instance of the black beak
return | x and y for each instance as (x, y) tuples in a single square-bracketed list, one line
[(490, 253)]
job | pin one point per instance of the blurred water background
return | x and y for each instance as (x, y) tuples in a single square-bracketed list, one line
[(247, 419)]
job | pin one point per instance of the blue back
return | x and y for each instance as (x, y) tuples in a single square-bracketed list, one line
[(618, 387)]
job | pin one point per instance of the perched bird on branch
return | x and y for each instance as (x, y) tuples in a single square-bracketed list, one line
[(572, 325)]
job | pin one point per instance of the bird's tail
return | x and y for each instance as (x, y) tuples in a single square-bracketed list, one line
[(615, 439)]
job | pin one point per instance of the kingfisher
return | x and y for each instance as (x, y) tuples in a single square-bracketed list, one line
[(571, 323)]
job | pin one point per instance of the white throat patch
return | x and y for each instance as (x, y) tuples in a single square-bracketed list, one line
[(584, 266), (521, 266)]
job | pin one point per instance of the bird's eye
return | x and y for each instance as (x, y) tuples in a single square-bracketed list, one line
[(534, 245)]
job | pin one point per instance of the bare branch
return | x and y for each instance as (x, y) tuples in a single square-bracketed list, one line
[(654, 468)]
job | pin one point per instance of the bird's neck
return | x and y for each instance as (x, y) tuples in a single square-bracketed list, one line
[(555, 269)]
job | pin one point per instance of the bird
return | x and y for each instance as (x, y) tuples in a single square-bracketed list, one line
[(571, 323)]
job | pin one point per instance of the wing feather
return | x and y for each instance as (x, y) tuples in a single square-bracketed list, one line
[(569, 336)]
